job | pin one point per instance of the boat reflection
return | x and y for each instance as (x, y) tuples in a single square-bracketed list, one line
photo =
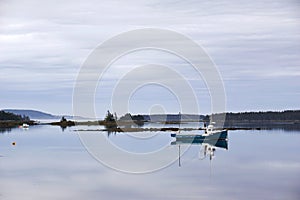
[(216, 143), (208, 147)]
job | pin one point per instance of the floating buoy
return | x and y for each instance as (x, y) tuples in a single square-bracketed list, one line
[(13, 143)]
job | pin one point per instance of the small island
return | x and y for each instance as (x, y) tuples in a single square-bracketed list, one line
[(63, 123), (10, 120)]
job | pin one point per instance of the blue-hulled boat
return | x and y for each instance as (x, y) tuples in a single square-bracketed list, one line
[(211, 139), (209, 134)]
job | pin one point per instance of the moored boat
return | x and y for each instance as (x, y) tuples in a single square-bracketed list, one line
[(25, 125), (210, 134)]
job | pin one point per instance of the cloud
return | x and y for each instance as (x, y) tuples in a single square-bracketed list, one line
[(45, 43)]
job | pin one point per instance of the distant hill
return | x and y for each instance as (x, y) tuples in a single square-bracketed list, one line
[(34, 114)]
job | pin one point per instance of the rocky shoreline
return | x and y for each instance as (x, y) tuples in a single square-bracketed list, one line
[(13, 124)]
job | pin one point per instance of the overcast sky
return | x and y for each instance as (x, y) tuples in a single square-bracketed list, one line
[(254, 44)]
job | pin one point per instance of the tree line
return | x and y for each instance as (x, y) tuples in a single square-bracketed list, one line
[(230, 116), (268, 115), (7, 116)]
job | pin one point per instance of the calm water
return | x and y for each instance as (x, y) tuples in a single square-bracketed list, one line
[(48, 163)]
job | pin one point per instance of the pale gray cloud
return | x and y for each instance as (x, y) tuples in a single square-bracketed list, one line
[(44, 43)]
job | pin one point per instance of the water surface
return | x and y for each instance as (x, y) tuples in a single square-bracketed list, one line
[(48, 163)]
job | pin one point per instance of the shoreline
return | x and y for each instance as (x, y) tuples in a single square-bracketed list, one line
[(126, 126), (13, 124)]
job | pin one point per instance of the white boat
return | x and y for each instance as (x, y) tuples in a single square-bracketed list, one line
[(25, 125)]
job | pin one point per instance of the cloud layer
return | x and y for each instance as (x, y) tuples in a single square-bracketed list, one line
[(254, 44)]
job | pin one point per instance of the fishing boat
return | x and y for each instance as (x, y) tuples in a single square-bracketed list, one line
[(208, 147), (210, 133)]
